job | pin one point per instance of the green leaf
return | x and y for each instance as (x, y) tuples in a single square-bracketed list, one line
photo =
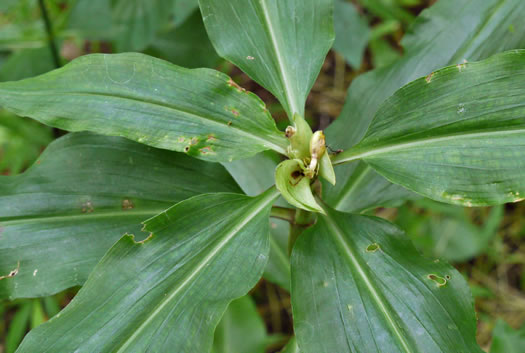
[(27, 63), (435, 40), (254, 175), (38, 317), (183, 9), (201, 112), (278, 268), (447, 232), (22, 33), (7, 4), (383, 54), (21, 142), (52, 306), (291, 347), (18, 327), (280, 44), (60, 217), (326, 169), (168, 293), (358, 285), (363, 190), (507, 340), (137, 21), (352, 32), (92, 19), (295, 186), (241, 329), (387, 10), (131, 24), (186, 45), (455, 135)]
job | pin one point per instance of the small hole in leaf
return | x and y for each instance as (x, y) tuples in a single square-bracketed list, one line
[(440, 281), (372, 247), (187, 149), (447, 277)]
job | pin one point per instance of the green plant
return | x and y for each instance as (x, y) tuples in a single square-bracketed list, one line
[(357, 283)]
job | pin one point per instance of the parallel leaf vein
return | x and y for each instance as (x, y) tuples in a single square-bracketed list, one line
[(351, 256)]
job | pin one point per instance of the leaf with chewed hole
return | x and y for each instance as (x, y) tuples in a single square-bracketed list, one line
[(201, 112), (168, 293), (456, 137), (60, 217), (280, 44), (295, 186), (360, 286)]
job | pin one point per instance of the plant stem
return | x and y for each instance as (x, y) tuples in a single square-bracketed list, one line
[(287, 214), (50, 35), (303, 220)]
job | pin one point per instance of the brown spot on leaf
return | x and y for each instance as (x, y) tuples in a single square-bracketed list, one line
[(235, 112), (233, 84), (429, 77), (206, 150), (127, 205), (87, 207)]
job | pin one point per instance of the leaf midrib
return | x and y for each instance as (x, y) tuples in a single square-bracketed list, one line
[(351, 256), (283, 72), (359, 152), (200, 266)]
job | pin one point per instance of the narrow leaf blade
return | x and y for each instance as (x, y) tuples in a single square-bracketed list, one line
[(352, 32)]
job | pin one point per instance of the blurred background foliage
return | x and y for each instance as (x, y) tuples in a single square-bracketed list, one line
[(486, 244)]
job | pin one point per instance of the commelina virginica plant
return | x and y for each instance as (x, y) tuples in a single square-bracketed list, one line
[(155, 135)]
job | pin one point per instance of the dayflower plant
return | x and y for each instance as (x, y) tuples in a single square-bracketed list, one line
[(148, 139)]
